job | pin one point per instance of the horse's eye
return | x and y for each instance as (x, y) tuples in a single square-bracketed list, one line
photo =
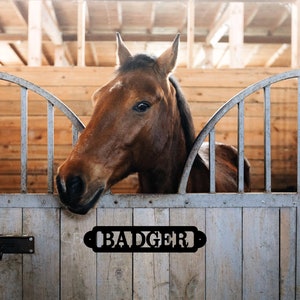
[(141, 106)]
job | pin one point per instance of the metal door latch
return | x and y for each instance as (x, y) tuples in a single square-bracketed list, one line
[(16, 244)]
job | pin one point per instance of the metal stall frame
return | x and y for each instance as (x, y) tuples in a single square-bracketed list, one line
[(219, 211)]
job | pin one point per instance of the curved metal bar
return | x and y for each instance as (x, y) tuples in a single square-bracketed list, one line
[(48, 96), (77, 125), (220, 113)]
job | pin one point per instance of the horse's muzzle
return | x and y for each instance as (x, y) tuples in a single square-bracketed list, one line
[(71, 193), (71, 190)]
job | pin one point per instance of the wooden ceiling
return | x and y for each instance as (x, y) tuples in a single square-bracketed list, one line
[(214, 34)]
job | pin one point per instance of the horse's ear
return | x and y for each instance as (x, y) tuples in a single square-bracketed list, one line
[(167, 60), (122, 51)]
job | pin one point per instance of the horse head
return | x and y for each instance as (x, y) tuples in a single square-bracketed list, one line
[(131, 130)]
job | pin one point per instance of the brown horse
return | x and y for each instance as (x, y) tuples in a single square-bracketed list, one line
[(141, 123)]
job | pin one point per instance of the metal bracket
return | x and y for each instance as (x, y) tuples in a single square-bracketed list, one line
[(16, 244)]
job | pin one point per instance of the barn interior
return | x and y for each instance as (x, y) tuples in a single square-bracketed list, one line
[(68, 48)]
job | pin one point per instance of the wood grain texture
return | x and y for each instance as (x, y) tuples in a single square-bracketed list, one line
[(11, 281), (114, 270), (261, 253), (187, 270), (151, 270), (41, 273)]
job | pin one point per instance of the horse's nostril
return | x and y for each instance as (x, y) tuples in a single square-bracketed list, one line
[(71, 190), (61, 186), (75, 186)]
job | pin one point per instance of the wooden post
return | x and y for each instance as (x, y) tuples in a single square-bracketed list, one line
[(59, 56), (190, 33), (295, 42), (35, 33), (81, 33), (236, 35)]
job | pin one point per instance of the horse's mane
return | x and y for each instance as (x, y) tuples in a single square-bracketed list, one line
[(185, 115)]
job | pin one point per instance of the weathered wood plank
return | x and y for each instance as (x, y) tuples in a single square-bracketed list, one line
[(114, 270), (288, 254), (151, 270), (224, 253), (41, 269), (261, 253), (11, 276), (77, 260), (298, 260), (187, 270)]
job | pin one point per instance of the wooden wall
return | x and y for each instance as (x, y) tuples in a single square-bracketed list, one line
[(206, 91)]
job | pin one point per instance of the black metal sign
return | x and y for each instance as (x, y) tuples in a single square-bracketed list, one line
[(145, 239)]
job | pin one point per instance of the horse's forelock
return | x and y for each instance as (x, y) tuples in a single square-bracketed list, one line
[(140, 61)]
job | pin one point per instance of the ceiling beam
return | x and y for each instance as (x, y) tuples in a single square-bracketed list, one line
[(236, 34), (120, 15), (219, 28), (94, 54), (296, 34), (137, 37), (152, 17), (251, 14), (81, 14), (283, 16), (51, 28), (276, 55), (34, 33), (14, 48), (190, 33), (20, 10), (49, 24)]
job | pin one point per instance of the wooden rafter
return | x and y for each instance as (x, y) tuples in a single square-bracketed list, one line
[(282, 18), (152, 17), (49, 24), (276, 55), (190, 33), (296, 34), (13, 48), (81, 14), (148, 27), (120, 14), (251, 14), (34, 33), (219, 28), (236, 34)]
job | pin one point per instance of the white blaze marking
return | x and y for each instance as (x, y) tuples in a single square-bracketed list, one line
[(117, 85)]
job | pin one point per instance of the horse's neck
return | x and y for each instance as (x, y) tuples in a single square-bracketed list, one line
[(165, 175), (161, 181)]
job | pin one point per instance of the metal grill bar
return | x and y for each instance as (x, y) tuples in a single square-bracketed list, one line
[(74, 135), (298, 139), (241, 154), (50, 138), (212, 162), (240, 97), (52, 101), (267, 136), (24, 138)]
